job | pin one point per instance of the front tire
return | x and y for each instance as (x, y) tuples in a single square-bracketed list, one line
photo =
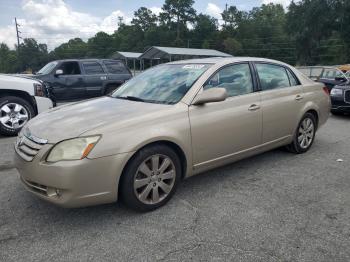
[(304, 135), (15, 112), (151, 178)]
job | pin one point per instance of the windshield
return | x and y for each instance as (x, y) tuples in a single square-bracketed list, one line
[(47, 68), (165, 84)]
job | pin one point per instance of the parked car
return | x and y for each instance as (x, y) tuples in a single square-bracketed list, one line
[(330, 76), (313, 72), (170, 122), (81, 79), (20, 100), (340, 97)]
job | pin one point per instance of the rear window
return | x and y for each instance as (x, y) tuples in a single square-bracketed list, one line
[(93, 68), (116, 67)]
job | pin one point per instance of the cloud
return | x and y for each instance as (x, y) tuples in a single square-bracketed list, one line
[(213, 10), (156, 10), (54, 22)]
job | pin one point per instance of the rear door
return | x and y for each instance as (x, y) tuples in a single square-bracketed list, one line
[(94, 78), (281, 100), (118, 73)]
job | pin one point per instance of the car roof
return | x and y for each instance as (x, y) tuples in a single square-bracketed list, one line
[(224, 60), (86, 60)]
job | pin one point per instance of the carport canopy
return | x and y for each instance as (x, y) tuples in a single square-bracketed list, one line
[(126, 55), (172, 53)]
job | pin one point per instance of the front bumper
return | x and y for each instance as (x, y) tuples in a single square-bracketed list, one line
[(339, 104), (43, 103), (72, 183)]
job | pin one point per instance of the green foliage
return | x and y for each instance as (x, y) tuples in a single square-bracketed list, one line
[(311, 32)]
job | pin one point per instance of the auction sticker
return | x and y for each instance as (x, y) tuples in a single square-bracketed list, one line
[(193, 66)]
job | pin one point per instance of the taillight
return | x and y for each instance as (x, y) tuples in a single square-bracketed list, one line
[(325, 89)]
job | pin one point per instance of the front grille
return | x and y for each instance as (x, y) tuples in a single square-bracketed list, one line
[(347, 96), (27, 148)]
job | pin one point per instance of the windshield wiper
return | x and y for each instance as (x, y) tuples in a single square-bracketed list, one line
[(132, 98)]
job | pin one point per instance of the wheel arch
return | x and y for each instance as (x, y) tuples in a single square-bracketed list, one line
[(312, 108), (22, 94), (315, 114), (174, 146)]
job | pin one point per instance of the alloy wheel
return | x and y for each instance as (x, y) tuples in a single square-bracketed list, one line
[(154, 179), (13, 115), (306, 133)]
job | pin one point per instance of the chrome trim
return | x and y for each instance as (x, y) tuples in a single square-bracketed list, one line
[(35, 139)]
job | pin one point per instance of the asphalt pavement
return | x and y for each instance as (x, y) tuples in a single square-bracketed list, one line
[(273, 207)]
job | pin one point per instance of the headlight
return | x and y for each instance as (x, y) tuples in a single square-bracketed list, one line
[(336, 92), (72, 149), (39, 89)]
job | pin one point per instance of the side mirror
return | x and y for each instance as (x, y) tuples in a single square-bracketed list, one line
[(211, 95), (59, 72), (340, 79)]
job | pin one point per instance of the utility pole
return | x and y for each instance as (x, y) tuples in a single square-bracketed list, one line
[(226, 7), (17, 32)]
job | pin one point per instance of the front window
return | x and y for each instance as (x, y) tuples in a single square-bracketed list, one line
[(165, 84), (47, 68), (236, 79), (70, 68)]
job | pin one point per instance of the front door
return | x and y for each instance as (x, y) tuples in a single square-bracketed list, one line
[(223, 129), (69, 85)]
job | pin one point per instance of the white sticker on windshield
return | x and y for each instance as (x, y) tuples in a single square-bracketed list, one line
[(193, 66)]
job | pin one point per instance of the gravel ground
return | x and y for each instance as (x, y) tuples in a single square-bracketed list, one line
[(273, 207)]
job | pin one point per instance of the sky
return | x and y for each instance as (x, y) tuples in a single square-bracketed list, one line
[(56, 21)]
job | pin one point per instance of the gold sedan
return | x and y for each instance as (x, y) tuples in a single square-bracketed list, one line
[(168, 123)]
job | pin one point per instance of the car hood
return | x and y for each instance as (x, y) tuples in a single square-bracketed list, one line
[(344, 85), (17, 79), (73, 120)]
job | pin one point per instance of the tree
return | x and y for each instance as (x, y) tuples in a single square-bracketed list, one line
[(32, 55), (308, 25), (8, 59), (232, 46), (205, 28), (144, 18), (180, 12), (100, 46), (74, 48)]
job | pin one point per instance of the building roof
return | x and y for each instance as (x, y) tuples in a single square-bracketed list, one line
[(126, 55), (159, 52)]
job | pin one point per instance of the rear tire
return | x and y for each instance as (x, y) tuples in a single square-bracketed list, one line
[(304, 135), (15, 112), (150, 178)]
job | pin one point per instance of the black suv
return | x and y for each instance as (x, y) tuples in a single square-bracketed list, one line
[(80, 79), (340, 96)]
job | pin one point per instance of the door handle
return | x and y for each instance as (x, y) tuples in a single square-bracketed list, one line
[(298, 97), (254, 107)]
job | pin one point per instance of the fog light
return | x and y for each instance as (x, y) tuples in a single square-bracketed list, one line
[(53, 192)]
